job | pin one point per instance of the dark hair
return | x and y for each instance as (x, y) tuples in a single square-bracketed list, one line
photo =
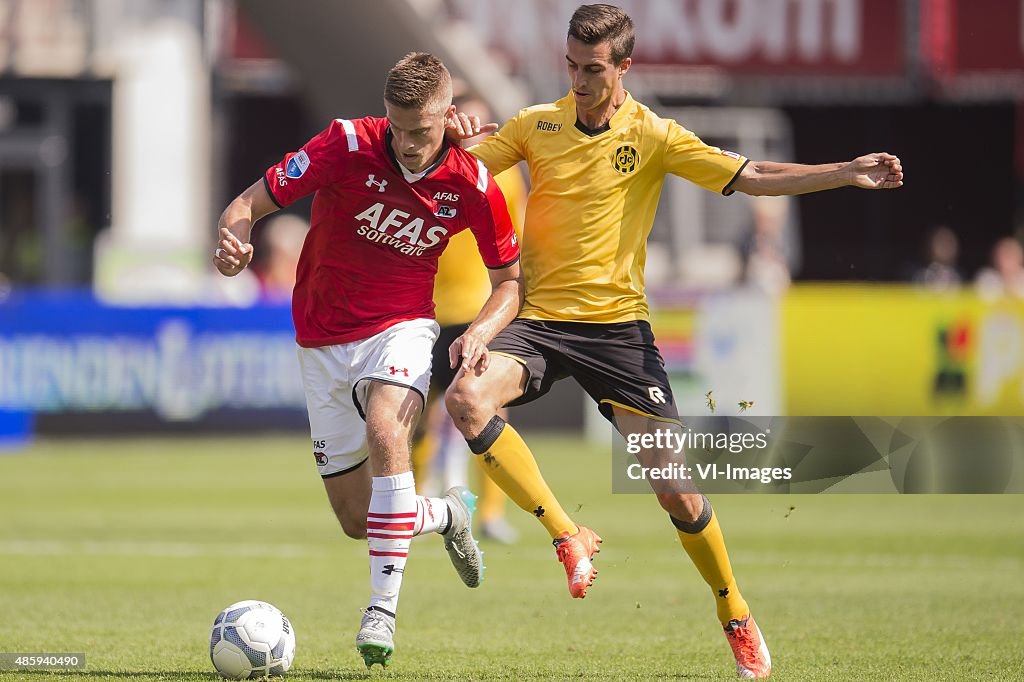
[(593, 24), (418, 81)]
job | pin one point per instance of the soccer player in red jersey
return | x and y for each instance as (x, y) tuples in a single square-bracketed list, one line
[(389, 193)]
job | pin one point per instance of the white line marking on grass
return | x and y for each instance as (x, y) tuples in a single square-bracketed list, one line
[(154, 549)]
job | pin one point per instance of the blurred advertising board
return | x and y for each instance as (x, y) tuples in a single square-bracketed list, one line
[(750, 37), (973, 36), (78, 366), (725, 343), (887, 350), (974, 49)]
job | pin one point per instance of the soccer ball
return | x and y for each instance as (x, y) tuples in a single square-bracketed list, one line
[(251, 639)]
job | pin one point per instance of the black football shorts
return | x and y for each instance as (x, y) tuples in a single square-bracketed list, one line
[(441, 372), (617, 364)]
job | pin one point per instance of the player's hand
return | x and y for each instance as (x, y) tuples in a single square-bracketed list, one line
[(876, 171), (471, 350), (231, 256), (460, 126)]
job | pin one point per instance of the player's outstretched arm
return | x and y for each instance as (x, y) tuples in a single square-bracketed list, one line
[(501, 308), (871, 171), (234, 252)]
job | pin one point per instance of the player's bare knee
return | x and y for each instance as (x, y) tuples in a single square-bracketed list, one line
[(465, 403)]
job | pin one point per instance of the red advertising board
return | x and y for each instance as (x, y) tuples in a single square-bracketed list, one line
[(856, 37), (989, 35), (770, 37), (973, 37)]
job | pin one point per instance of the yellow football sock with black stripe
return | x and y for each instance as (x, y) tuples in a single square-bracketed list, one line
[(491, 504), (509, 462), (704, 542)]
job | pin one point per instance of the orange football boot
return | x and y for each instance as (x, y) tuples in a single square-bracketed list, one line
[(575, 552), (753, 662)]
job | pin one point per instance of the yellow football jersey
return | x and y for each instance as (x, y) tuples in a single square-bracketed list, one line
[(592, 202), (462, 285)]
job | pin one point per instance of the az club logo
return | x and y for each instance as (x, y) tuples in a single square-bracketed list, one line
[(445, 211), (321, 459), (626, 159)]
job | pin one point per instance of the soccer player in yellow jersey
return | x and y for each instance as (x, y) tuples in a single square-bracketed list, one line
[(597, 160)]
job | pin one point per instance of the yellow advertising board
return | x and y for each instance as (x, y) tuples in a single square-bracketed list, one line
[(887, 350)]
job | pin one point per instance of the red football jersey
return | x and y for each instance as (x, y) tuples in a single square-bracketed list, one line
[(376, 232)]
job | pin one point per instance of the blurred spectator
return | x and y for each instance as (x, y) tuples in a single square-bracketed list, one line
[(240, 291), (766, 257), (1005, 277), (272, 277), (283, 237), (941, 272)]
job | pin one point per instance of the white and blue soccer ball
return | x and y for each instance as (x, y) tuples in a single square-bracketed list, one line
[(252, 639)]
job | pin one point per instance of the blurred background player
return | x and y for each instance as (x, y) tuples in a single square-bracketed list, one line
[(597, 161), (363, 312), (283, 237), (766, 253), (940, 272), (440, 457)]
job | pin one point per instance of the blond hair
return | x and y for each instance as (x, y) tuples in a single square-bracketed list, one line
[(419, 81)]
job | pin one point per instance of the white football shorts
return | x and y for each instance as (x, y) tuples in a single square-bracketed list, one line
[(336, 379)]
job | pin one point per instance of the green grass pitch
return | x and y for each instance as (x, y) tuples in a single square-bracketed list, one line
[(126, 550)]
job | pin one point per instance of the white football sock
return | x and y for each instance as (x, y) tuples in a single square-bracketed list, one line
[(432, 515), (389, 529)]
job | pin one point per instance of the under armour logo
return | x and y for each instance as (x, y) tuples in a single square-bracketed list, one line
[(724, 592), (390, 568), (396, 370), (380, 184), (538, 512), (657, 396)]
